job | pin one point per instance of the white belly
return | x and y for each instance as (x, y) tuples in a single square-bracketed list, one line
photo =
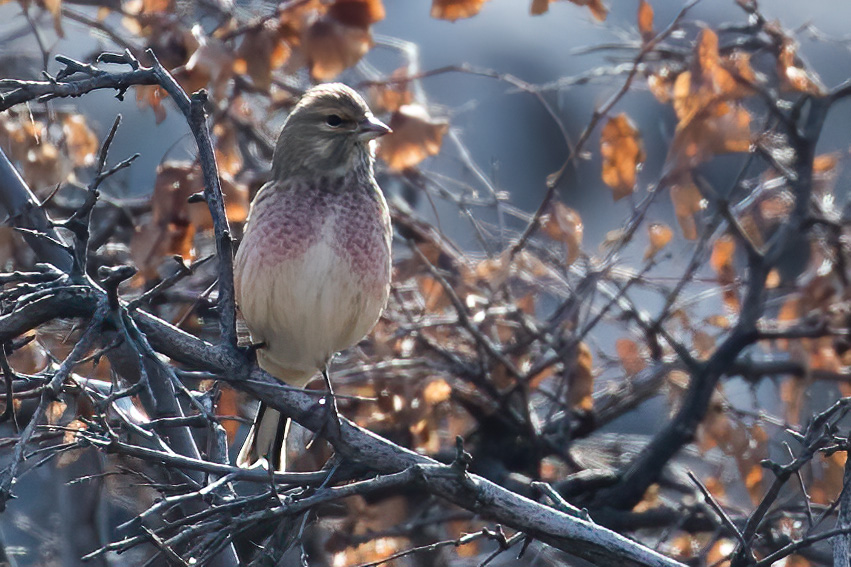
[(305, 309)]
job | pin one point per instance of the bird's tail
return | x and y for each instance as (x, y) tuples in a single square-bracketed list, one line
[(266, 442)]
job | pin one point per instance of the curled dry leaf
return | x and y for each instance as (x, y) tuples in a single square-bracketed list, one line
[(357, 13), (415, 137), (332, 47), (262, 50), (455, 9), (581, 380), (437, 391), (630, 356), (623, 153), (645, 20), (687, 202), (210, 66), (711, 121), (565, 225), (81, 141), (660, 235), (597, 7), (793, 75), (393, 95), (55, 9), (721, 261), (151, 96)]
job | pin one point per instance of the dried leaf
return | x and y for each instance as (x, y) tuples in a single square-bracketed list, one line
[(455, 9), (711, 121), (721, 261), (630, 356), (623, 153), (357, 13), (687, 202), (54, 412), (81, 141), (598, 9), (565, 225), (581, 380), (392, 95), (660, 234), (210, 66), (793, 75), (332, 47), (415, 137), (645, 20), (55, 9), (151, 96), (436, 392), (261, 52)]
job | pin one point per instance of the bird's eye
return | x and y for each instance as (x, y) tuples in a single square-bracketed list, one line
[(333, 120)]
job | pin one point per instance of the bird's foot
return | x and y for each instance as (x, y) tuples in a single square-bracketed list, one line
[(331, 424)]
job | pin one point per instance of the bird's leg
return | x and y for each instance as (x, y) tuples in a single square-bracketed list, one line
[(332, 422)]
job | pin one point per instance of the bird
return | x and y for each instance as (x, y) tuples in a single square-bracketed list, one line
[(312, 272)]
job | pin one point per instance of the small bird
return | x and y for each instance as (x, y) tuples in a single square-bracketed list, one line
[(312, 274)]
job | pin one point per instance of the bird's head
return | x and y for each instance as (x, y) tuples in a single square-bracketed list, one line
[(328, 133)]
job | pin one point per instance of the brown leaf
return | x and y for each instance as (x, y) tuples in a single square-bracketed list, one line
[(332, 47), (581, 380), (793, 75), (357, 13), (660, 235), (55, 9), (565, 225), (630, 356), (721, 261), (210, 66), (415, 137), (711, 121), (623, 154), (687, 202), (393, 95), (151, 96), (455, 9), (436, 392), (645, 20), (81, 141), (597, 7), (228, 154), (261, 52)]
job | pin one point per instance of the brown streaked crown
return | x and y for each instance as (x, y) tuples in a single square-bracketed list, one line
[(327, 134)]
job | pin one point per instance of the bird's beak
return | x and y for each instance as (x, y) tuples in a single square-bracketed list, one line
[(371, 127)]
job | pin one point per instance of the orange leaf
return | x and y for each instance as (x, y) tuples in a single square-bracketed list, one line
[(598, 9), (393, 95), (630, 356), (357, 13), (687, 202), (565, 225), (81, 141), (210, 66), (455, 9), (660, 235), (415, 137), (792, 74), (645, 20), (332, 47), (437, 391), (260, 52), (151, 96), (581, 380), (623, 154), (722, 253), (55, 9)]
